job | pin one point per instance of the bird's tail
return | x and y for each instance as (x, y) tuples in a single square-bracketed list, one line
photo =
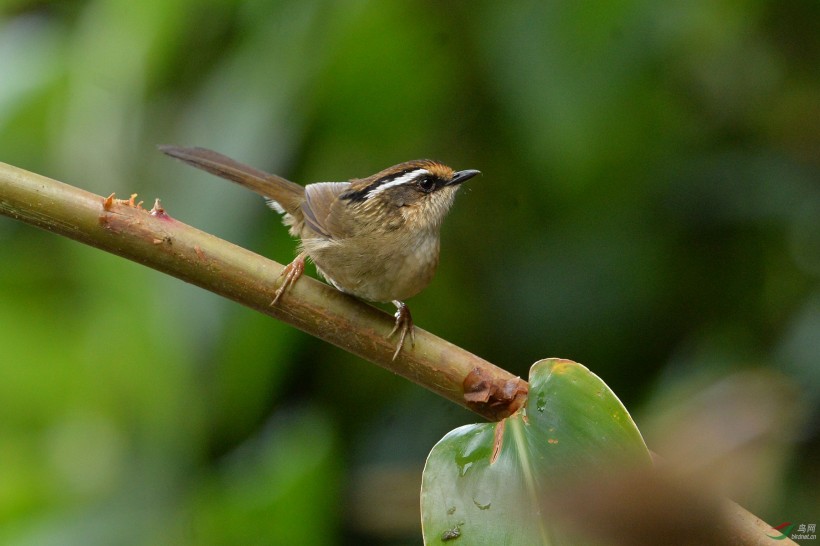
[(287, 194)]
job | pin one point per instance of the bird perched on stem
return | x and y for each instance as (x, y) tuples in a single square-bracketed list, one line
[(376, 238)]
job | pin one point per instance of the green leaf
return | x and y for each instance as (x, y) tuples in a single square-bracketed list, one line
[(486, 483)]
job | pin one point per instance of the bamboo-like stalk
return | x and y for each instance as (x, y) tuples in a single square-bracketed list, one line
[(155, 239)]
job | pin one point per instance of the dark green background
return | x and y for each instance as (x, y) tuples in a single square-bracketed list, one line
[(650, 207)]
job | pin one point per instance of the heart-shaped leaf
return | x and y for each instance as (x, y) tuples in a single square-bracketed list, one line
[(486, 483)]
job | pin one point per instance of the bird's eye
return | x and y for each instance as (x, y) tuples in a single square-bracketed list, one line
[(427, 184)]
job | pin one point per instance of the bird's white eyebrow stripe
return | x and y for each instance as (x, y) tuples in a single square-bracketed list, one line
[(403, 179)]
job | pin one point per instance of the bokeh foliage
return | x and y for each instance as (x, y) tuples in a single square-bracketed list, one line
[(650, 206)]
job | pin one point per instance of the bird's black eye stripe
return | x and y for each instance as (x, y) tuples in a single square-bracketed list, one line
[(362, 194), (416, 177)]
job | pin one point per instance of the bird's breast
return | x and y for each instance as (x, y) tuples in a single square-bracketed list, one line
[(379, 269)]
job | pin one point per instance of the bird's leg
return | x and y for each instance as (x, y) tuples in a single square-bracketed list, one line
[(404, 324), (290, 274)]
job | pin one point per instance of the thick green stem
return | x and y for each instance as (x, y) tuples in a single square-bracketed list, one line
[(155, 239)]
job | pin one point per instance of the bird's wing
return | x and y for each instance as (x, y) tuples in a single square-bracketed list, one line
[(320, 199)]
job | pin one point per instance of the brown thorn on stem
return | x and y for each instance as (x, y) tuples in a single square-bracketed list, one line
[(157, 210)]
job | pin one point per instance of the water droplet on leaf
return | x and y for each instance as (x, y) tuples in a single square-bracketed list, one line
[(541, 401)]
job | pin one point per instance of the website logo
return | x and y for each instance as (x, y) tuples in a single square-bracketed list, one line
[(805, 531), (787, 525)]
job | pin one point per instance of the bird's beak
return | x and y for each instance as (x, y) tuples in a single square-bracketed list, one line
[(462, 176)]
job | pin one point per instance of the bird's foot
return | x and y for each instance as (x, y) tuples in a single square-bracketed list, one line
[(403, 326), (290, 274)]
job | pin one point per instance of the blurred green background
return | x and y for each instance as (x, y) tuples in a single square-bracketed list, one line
[(650, 207)]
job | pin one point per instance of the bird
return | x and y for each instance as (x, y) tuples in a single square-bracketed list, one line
[(376, 238)]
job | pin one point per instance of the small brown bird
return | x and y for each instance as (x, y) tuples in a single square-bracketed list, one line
[(376, 238)]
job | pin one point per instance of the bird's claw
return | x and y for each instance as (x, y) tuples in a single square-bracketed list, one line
[(403, 326), (290, 274)]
